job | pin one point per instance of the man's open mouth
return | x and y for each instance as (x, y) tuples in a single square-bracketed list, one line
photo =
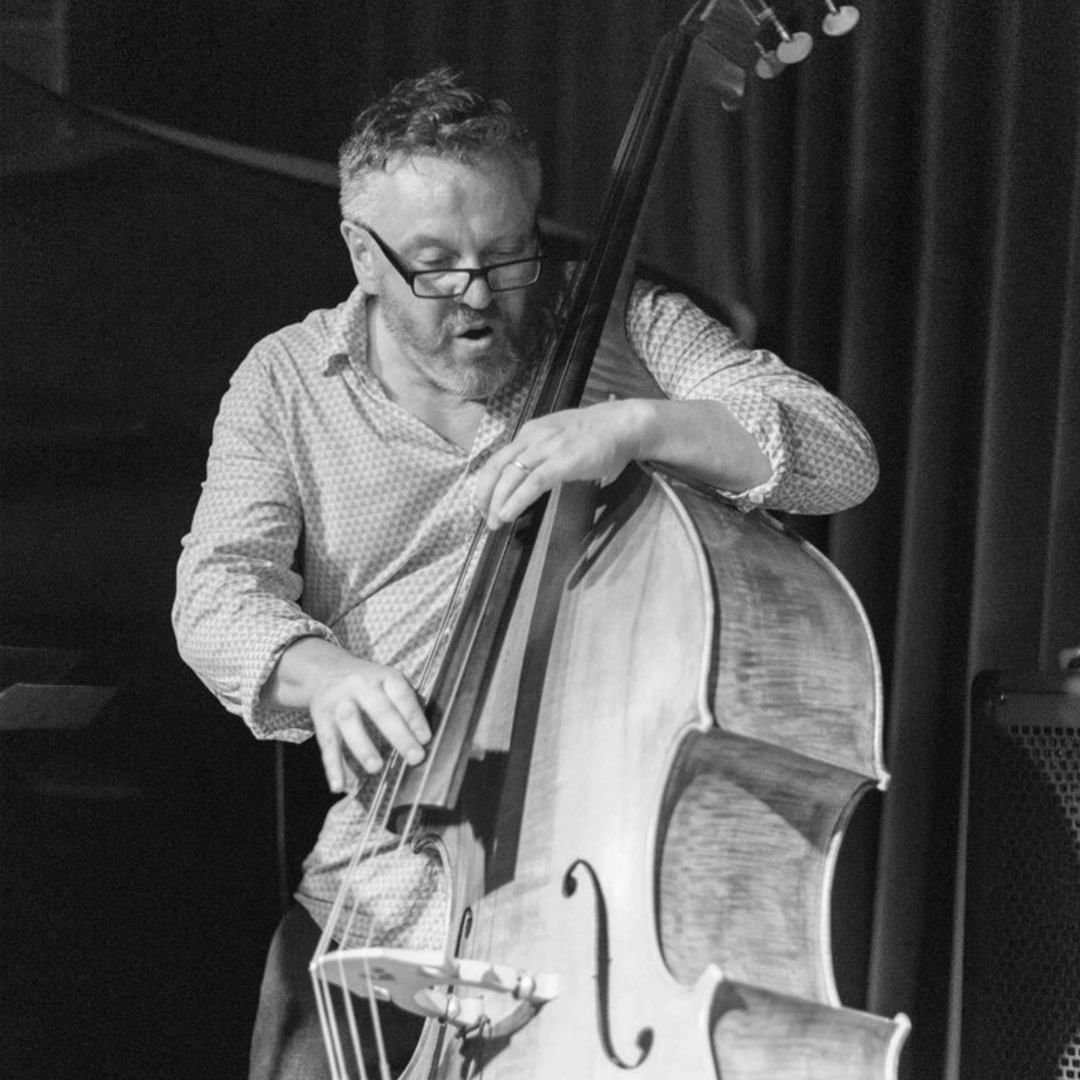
[(476, 333)]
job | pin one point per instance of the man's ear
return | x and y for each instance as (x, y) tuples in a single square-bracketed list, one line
[(360, 253)]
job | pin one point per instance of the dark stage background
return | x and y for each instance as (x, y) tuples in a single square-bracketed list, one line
[(902, 217)]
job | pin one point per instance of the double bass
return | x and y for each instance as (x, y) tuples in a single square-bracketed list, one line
[(654, 715)]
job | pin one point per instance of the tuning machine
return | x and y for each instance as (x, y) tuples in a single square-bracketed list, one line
[(839, 20), (791, 47), (768, 65)]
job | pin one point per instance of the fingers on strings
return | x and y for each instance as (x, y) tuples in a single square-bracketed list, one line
[(516, 487), (349, 728)]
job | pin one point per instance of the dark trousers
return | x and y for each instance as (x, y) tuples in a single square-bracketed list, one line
[(287, 1043)]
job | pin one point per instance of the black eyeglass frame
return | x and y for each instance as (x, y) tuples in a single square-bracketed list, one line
[(411, 275)]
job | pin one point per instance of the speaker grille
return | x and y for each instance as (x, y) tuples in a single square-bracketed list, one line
[(1021, 979)]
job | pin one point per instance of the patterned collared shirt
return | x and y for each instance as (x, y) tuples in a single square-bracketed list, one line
[(329, 510)]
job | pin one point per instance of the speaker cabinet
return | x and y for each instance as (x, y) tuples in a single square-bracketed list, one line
[(1020, 983)]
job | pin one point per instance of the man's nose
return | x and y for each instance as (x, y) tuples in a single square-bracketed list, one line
[(478, 295)]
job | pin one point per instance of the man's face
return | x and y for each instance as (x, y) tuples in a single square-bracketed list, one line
[(435, 213)]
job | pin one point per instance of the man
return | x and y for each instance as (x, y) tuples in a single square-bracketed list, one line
[(354, 451)]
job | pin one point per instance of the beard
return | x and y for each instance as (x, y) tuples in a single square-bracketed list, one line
[(448, 360)]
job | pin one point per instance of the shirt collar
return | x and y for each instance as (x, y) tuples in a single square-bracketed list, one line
[(347, 345), (347, 339)]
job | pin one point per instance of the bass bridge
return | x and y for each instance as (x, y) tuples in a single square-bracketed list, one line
[(500, 999)]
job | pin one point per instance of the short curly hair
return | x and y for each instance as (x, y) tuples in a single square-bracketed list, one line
[(432, 114)]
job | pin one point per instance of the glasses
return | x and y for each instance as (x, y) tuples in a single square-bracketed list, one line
[(456, 281)]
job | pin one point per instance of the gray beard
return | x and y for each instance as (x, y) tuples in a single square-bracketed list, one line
[(432, 355)]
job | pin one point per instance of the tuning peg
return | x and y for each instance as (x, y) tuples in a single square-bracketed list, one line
[(768, 65), (839, 20), (792, 47)]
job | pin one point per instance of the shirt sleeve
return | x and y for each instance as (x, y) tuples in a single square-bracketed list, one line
[(238, 582), (822, 457)]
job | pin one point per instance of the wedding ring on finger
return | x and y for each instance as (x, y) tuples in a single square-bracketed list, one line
[(521, 465)]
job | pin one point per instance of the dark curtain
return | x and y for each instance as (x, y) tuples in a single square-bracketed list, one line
[(961, 347), (901, 214)]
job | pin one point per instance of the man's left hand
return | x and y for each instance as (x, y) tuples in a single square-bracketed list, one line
[(593, 443)]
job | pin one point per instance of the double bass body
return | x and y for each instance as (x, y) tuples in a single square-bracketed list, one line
[(660, 854)]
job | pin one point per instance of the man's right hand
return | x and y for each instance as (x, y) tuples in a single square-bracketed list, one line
[(344, 694)]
